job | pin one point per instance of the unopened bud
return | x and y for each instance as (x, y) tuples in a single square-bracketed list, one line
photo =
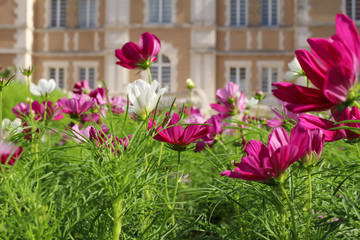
[(259, 95), (189, 84)]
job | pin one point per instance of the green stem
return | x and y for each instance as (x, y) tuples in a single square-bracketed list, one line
[(357, 149), (117, 211), (307, 82), (356, 104), (291, 211), (176, 189), (258, 110), (150, 77), (308, 170)]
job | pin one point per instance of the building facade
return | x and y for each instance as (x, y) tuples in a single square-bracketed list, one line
[(213, 42)]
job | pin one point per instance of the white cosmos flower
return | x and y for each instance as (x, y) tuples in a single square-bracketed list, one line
[(295, 70), (9, 126), (143, 97), (251, 102), (44, 87)]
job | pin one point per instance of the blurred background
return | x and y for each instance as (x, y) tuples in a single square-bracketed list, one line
[(249, 42)]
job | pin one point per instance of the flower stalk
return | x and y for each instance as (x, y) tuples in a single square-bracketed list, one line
[(293, 223)]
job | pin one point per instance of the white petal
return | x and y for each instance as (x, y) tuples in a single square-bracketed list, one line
[(52, 85), (35, 89)]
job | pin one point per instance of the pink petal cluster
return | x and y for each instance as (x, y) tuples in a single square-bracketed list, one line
[(173, 133), (9, 154), (75, 107), (230, 101), (281, 117), (265, 163), (139, 56), (81, 87), (315, 122), (22, 110), (332, 67), (215, 128)]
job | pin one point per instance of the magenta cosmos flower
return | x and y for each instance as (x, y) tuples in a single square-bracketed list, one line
[(230, 100), (332, 67), (139, 56), (315, 122), (75, 107), (81, 87), (173, 133), (266, 163)]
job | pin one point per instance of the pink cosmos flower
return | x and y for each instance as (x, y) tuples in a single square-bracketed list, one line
[(21, 110), (267, 163), (332, 67), (215, 128), (53, 113), (10, 153), (81, 87), (139, 56), (98, 96), (281, 117), (314, 122), (175, 135), (75, 107), (316, 141), (231, 102)]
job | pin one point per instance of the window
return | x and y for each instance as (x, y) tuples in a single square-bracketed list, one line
[(87, 74), (238, 76), (161, 71), (353, 9), (160, 11), (238, 13), (87, 13), (269, 76), (269, 12), (58, 13), (58, 75)]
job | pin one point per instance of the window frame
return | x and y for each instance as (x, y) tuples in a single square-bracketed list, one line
[(47, 65), (89, 18), (269, 14), (147, 16), (58, 14), (238, 10), (353, 10), (279, 65), (87, 65), (239, 64), (159, 65)]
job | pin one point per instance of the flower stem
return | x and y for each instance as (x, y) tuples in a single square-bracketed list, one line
[(308, 170), (117, 211), (307, 82), (150, 77), (291, 211), (258, 110), (176, 189), (356, 104)]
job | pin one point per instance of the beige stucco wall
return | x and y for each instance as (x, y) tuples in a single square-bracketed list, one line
[(136, 11), (7, 15), (183, 11), (324, 11), (7, 38), (6, 60)]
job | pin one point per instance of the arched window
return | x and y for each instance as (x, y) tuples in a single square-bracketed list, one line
[(161, 71)]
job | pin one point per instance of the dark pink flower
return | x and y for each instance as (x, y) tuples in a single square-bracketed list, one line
[(175, 135), (332, 67), (81, 87), (230, 100), (53, 113), (9, 153), (98, 96), (281, 117), (139, 56), (267, 163), (21, 110), (75, 107), (215, 128)]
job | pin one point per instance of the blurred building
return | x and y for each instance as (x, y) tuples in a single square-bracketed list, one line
[(248, 42)]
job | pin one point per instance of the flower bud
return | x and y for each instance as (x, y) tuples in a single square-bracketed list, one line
[(189, 84), (27, 71), (259, 95)]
